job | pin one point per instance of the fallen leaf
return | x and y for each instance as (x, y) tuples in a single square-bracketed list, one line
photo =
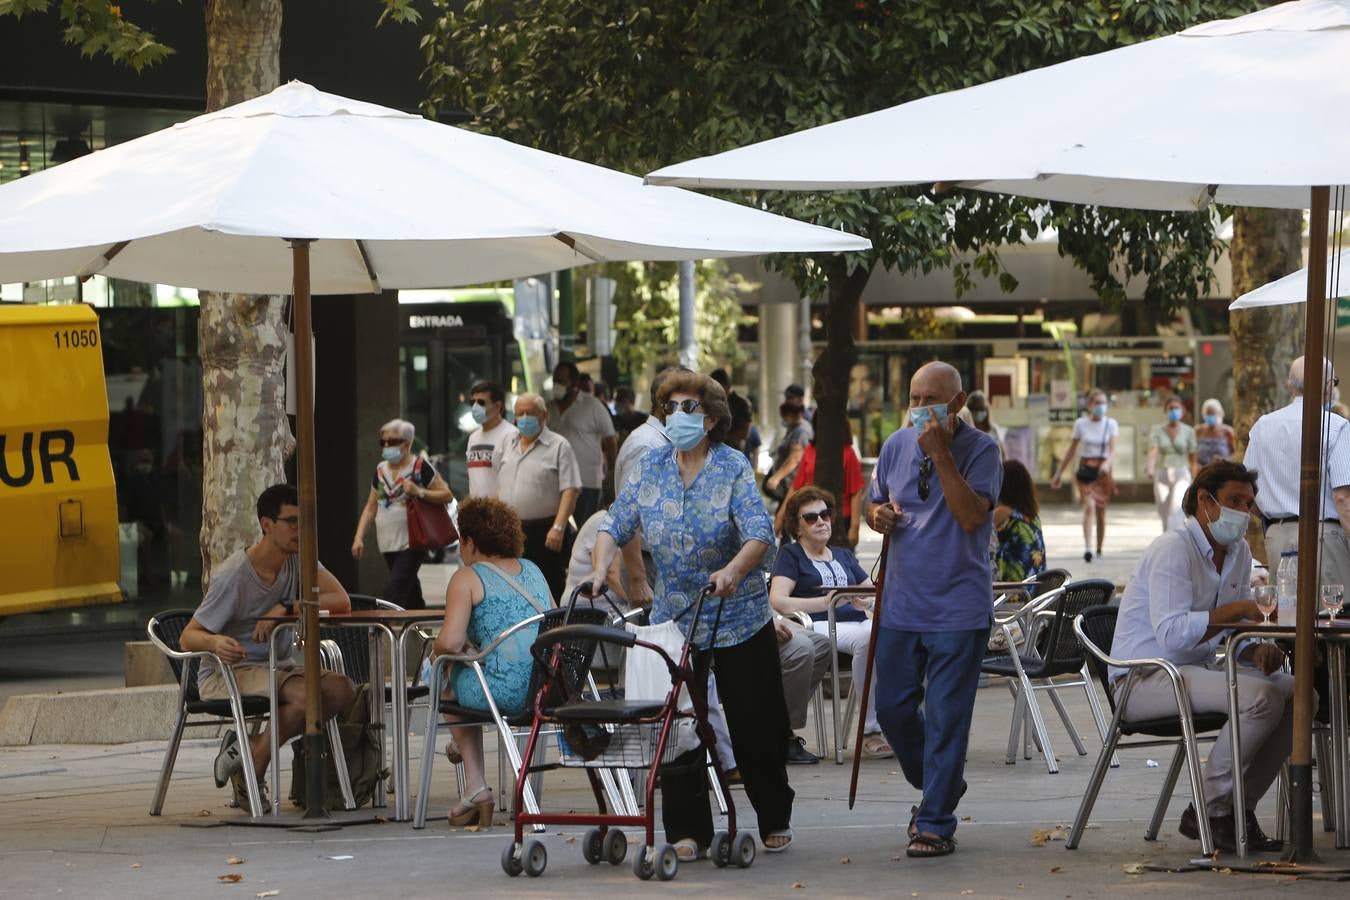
[(845, 861), (1038, 838), (271, 893), (967, 819), (203, 812), (135, 865), (798, 884), (235, 861), (1054, 869), (1133, 868), (572, 840), (231, 878), (1225, 871), (470, 827), (967, 891)]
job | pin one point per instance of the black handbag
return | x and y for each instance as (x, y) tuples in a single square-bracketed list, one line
[(1086, 473)]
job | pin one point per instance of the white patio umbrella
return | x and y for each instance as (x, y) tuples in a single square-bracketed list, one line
[(1293, 288), (249, 198), (1142, 126)]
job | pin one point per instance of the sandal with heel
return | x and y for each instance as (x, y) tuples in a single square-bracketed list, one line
[(478, 813)]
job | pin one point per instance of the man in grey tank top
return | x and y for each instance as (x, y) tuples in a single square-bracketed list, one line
[(262, 580)]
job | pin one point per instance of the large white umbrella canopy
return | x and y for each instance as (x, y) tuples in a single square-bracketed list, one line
[(1145, 126), (392, 200), (1293, 288), (304, 192)]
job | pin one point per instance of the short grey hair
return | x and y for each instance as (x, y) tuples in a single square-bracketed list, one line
[(534, 400), (1212, 405), (1297, 382), (404, 428)]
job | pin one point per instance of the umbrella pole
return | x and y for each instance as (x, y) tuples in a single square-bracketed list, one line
[(309, 542), (1309, 527)]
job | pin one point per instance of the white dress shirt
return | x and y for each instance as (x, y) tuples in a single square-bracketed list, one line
[(1164, 611), (649, 434), (1274, 449)]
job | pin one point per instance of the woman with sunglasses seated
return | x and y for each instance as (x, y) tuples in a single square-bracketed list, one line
[(803, 576), (399, 475), (699, 510)]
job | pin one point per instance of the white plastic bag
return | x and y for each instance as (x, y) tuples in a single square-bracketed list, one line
[(647, 678)]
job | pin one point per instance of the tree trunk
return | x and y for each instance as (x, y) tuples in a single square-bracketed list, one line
[(830, 377), (1267, 244), (246, 436)]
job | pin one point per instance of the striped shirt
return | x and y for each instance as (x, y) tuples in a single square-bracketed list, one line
[(1274, 449)]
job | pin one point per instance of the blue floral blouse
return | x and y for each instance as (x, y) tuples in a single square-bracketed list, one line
[(693, 532)]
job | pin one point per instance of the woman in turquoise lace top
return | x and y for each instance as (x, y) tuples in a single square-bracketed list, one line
[(494, 590), (700, 512)]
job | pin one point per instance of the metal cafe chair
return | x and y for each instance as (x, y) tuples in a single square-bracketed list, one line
[(1096, 628)]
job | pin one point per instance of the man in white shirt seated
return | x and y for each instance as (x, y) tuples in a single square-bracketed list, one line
[(1191, 587)]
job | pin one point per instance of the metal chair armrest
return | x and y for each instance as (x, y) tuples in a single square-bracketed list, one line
[(801, 618), (839, 595)]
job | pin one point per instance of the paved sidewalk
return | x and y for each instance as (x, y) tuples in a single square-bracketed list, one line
[(73, 822)]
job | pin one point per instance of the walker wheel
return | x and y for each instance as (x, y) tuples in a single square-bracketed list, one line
[(616, 846), (592, 846), (533, 858), (667, 863), (643, 865), (510, 860), (743, 849), (720, 849)]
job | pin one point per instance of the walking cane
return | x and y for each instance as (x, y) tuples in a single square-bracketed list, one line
[(867, 673)]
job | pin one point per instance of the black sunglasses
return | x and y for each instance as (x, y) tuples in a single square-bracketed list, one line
[(390, 442), (925, 471), (687, 406), (811, 517), (480, 402)]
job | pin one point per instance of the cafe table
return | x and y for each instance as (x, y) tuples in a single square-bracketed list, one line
[(388, 628), (1334, 638)]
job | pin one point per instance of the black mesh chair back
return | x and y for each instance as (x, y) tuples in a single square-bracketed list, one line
[(353, 642), (1099, 625), (569, 660), (168, 626), (1048, 581), (1061, 653)]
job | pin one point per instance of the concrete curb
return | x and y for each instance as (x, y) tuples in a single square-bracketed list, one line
[(116, 716)]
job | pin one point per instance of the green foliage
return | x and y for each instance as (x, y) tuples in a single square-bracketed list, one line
[(647, 314), (637, 87), (97, 27)]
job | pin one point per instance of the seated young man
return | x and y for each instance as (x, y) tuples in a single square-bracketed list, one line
[(1191, 587), (261, 580)]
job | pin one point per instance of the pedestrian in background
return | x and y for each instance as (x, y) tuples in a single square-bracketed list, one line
[(400, 478), (850, 511), (933, 488), (1017, 526), (1171, 464), (483, 453), (586, 424), (977, 408), (1213, 439), (1095, 434), (787, 456), (540, 480)]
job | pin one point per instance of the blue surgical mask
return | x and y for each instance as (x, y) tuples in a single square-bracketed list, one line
[(1211, 419), (1229, 527), (1099, 409), (685, 430), (479, 413), (530, 426), (1174, 415), (919, 415), (391, 454)]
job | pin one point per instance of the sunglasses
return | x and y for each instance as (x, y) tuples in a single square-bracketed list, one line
[(686, 406), (480, 402), (925, 472), (390, 442), (811, 517)]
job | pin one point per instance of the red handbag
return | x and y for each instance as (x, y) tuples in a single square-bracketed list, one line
[(429, 524)]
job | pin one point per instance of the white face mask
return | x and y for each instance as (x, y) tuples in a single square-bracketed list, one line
[(1230, 527)]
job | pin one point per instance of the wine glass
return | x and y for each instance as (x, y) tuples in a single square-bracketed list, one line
[(1333, 595), (1266, 600)]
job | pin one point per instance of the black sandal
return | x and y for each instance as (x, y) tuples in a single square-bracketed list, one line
[(935, 845), (914, 812)]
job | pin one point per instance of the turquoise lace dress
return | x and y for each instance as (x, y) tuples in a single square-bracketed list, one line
[(508, 667)]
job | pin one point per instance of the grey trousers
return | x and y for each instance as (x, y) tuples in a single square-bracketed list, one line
[(1265, 717), (1335, 555), (804, 658)]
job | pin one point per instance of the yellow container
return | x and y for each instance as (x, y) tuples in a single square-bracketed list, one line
[(58, 502)]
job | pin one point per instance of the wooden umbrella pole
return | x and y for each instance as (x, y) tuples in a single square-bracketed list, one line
[(1309, 527), (309, 543), (867, 673)]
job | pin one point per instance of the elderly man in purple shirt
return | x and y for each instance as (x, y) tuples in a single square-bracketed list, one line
[(933, 488), (1190, 588)]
